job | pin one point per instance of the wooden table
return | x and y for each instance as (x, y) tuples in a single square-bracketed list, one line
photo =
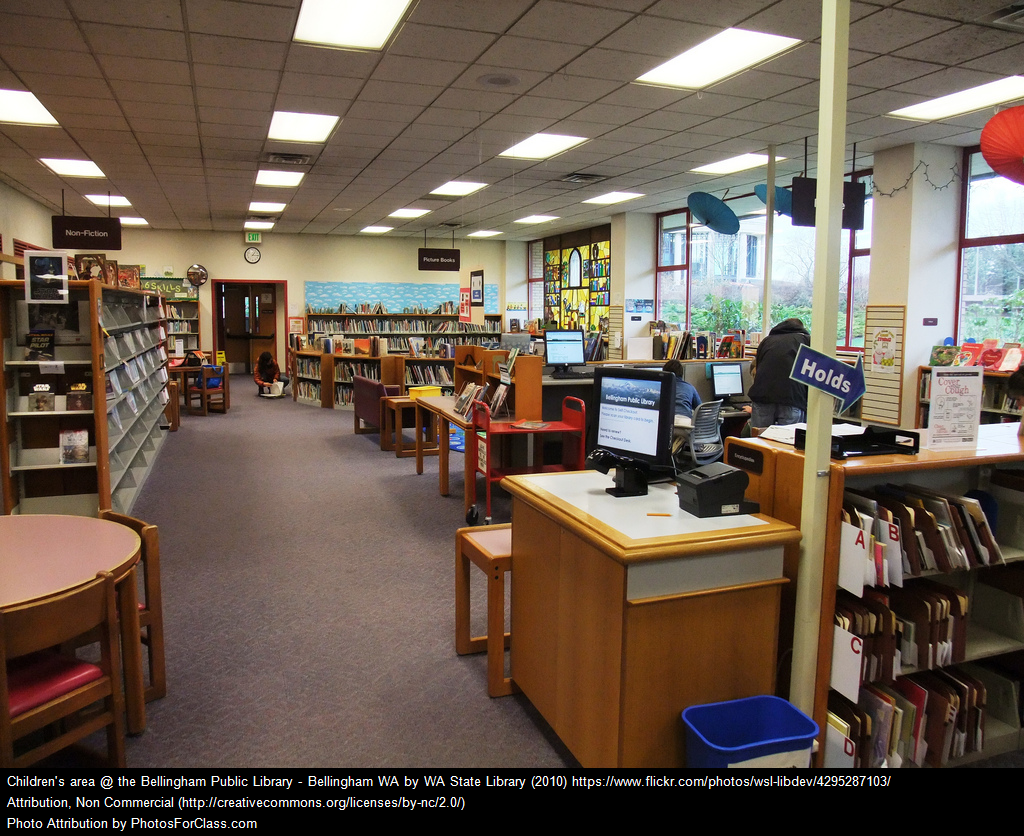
[(391, 433), (627, 610), (442, 407), (44, 554)]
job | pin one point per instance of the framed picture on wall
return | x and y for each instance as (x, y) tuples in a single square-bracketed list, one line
[(476, 287), (296, 325)]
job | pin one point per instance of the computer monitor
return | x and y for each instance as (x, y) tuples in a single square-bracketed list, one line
[(635, 411), (564, 348), (726, 380)]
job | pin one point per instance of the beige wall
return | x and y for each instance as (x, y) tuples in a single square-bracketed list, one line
[(23, 219)]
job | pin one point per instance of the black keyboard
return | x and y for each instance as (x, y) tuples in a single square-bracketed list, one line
[(558, 374)]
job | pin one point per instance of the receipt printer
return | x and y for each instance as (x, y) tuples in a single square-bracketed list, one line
[(714, 490)]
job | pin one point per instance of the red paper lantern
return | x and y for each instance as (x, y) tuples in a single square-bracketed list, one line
[(1002, 143)]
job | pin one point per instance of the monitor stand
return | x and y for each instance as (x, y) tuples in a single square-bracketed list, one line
[(629, 481)]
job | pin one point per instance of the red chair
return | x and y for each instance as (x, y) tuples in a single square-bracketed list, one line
[(573, 428), (39, 686), (209, 389)]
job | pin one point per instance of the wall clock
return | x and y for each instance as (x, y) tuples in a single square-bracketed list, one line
[(252, 255)]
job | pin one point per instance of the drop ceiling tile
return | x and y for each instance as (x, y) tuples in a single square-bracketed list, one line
[(438, 42), (44, 85), (208, 98), (564, 23), (128, 41), (226, 17), (237, 52), (139, 111), (945, 81), (887, 30), (719, 15), (659, 38), (530, 54), (1005, 62), (152, 14), (478, 15)]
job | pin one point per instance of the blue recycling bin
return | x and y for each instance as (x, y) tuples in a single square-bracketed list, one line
[(723, 734)]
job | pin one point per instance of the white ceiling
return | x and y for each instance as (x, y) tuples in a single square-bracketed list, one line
[(173, 98)]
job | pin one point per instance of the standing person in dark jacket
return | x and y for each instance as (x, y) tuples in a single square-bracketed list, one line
[(777, 399)]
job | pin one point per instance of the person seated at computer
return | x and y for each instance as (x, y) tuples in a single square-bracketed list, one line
[(687, 398), (268, 373)]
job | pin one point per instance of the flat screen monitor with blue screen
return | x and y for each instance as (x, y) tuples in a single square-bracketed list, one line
[(635, 410), (726, 380), (564, 348)]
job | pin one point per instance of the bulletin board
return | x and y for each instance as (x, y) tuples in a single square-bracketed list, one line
[(884, 334)]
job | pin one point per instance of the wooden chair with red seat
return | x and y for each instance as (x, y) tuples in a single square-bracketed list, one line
[(40, 686), (151, 607), (208, 391)]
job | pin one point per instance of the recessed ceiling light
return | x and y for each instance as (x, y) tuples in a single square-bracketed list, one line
[(129, 221), (72, 168), (262, 206), (301, 127), (22, 108), (718, 57), (259, 224), (537, 219), (483, 233), (349, 23), (459, 188), (614, 197), (267, 177), (376, 230), (409, 213), (542, 146), (966, 101), (108, 200), (734, 164)]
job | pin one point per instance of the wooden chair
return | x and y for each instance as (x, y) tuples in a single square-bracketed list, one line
[(151, 607), (208, 391), (39, 686), (489, 548)]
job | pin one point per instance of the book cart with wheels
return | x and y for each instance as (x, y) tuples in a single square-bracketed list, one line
[(93, 445), (964, 646)]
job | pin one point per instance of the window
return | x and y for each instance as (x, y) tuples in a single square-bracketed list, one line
[(712, 282), (991, 290)]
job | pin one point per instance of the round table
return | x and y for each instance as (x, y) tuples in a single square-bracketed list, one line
[(44, 554)]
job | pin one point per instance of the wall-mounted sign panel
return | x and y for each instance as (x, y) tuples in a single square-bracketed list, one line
[(72, 232)]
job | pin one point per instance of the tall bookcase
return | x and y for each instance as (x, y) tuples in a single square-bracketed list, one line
[(183, 323), (776, 478), (110, 339)]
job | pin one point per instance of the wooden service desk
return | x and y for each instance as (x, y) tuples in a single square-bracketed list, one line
[(627, 610)]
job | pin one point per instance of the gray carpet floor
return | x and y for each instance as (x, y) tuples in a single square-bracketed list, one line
[(308, 585)]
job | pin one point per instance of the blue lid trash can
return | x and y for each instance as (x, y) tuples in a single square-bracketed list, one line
[(759, 731)]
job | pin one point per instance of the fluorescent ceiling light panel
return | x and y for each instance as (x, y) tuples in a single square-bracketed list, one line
[(22, 108), (537, 219), (259, 224), (721, 56), (459, 188), (409, 213), (734, 164), (376, 230), (542, 146), (966, 101), (301, 127), (483, 233), (614, 197), (129, 221), (108, 200), (356, 24), (72, 168), (261, 206), (266, 177)]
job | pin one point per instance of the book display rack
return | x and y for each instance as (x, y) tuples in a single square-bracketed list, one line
[(930, 616), (183, 323), (80, 429), (996, 407), (474, 364)]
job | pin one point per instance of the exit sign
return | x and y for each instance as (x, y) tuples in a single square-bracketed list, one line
[(253, 237)]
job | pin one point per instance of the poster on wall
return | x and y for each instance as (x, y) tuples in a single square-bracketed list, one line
[(47, 277), (465, 314), (296, 325), (955, 407), (476, 287)]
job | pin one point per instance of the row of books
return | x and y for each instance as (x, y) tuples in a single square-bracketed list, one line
[(423, 375), (698, 345), (926, 718), (896, 531), (307, 367), (343, 308), (344, 372), (374, 326), (307, 390), (179, 312), (986, 354)]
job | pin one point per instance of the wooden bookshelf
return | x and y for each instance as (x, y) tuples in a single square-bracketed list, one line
[(474, 364)]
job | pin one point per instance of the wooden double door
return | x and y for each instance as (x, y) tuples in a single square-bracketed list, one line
[(246, 316)]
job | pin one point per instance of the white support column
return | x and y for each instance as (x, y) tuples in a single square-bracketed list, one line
[(835, 32)]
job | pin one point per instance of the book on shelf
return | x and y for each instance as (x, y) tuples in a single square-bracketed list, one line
[(39, 343), (79, 398), (41, 398), (943, 355), (498, 399), (74, 446)]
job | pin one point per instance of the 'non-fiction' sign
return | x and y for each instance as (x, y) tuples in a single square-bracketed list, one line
[(73, 232)]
